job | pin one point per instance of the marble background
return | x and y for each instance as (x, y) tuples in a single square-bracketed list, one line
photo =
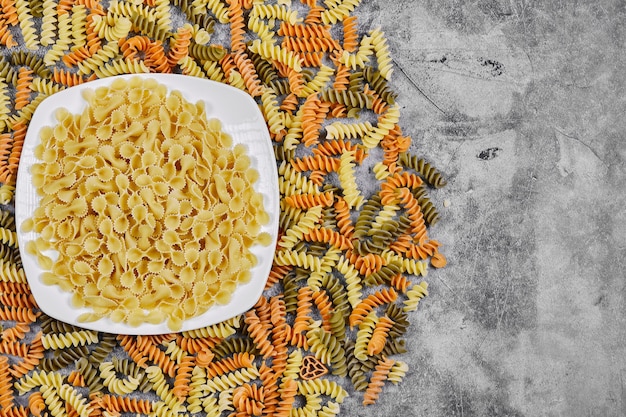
[(521, 104)]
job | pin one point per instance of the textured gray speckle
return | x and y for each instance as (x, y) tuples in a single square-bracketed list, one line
[(529, 316)]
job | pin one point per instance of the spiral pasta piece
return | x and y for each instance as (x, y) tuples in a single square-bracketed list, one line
[(297, 231), (414, 295), (275, 11), (301, 259), (169, 402), (360, 58), (36, 403), (157, 61), (111, 28), (350, 37), (237, 25), (323, 386), (303, 311), (386, 122), (190, 67), (328, 350), (79, 26), (20, 314), (275, 53), (183, 377), (60, 341), (126, 404), (287, 398), (179, 47), (194, 398), (133, 46), (63, 77), (113, 383), (339, 130), (331, 237), (366, 306), (383, 275), (425, 169), (27, 25), (248, 73), (6, 37), (220, 330), (262, 30), (23, 87), (318, 83), (381, 49), (217, 7), (307, 201), (379, 336), (162, 15), (324, 306), (273, 115), (410, 266), (353, 281), (339, 12), (397, 372), (248, 399), (125, 9), (388, 192), (36, 379), (4, 105), (259, 333), (231, 380), (379, 376), (347, 179), (303, 30), (238, 360), (121, 66), (313, 114), (378, 83), (99, 58), (206, 52), (351, 99), (63, 42)]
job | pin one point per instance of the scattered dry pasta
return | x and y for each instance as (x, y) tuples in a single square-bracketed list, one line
[(354, 240)]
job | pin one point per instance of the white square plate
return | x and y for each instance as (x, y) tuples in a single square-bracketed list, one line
[(241, 118)]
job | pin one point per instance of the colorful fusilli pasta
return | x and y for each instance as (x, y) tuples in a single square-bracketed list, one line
[(344, 280)]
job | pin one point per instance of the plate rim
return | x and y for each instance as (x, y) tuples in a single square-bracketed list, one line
[(271, 196)]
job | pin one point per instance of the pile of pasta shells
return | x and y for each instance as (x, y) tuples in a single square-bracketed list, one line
[(354, 240), (148, 204)]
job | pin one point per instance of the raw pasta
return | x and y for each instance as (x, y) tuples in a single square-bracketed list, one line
[(346, 255), (123, 262)]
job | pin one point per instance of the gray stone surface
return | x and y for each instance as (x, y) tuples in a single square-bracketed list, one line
[(528, 319)]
